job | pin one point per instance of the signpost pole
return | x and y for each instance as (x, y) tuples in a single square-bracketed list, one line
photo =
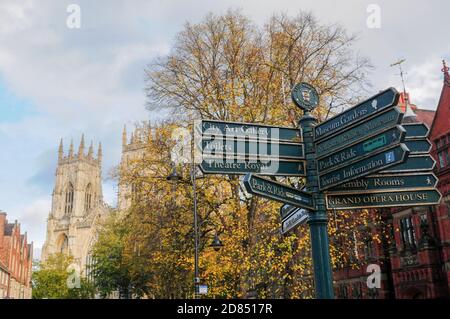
[(318, 219)]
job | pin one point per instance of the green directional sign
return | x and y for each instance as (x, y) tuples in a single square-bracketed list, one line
[(364, 167), (375, 125), (248, 130), (362, 149), (364, 110), (262, 148), (277, 191), (241, 166), (385, 199), (384, 183), (414, 163), (419, 146), (415, 130)]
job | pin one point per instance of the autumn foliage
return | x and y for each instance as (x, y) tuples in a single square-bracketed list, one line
[(227, 68)]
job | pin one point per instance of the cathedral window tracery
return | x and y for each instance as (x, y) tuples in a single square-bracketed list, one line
[(88, 198), (69, 200), (64, 245)]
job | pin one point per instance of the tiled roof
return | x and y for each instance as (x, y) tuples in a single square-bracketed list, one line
[(422, 115), (425, 116)]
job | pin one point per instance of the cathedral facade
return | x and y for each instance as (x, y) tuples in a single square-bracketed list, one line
[(77, 199), (77, 205)]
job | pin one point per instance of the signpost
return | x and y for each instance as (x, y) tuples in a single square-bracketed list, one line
[(416, 130), (210, 128), (385, 199), (363, 157), (299, 216), (414, 163), (386, 182), (352, 116), (286, 210), (421, 146), (364, 167), (235, 147), (277, 191), (416, 138), (241, 148), (262, 166), (365, 148), (375, 125)]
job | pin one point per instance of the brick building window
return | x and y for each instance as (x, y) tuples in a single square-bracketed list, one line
[(369, 248), (407, 233), (357, 291), (372, 293), (443, 151), (343, 292), (442, 162)]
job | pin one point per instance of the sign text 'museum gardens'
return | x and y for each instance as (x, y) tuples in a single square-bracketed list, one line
[(359, 112)]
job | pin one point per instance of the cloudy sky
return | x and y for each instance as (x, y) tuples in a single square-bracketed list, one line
[(57, 82)]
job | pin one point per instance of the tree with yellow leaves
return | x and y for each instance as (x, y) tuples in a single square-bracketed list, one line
[(227, 68)]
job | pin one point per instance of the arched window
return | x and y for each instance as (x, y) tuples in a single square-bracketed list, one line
[(88, 198), (69, 199), (64, 247)]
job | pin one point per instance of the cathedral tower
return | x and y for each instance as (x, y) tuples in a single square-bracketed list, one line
[(77, 203), (132, 148)]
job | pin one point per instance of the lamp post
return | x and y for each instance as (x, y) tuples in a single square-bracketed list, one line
[(216, 243), (174, 177)]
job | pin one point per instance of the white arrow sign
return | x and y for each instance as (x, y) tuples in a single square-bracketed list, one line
[(299, 216)]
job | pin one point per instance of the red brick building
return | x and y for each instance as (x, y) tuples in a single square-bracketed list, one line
[(15, 261), (440, 136), (414, 257)]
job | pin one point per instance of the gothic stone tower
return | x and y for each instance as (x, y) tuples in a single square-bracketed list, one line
[(77, 204), (132, 149)]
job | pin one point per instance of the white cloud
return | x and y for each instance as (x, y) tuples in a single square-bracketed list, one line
[(13, 15), (32, 219), (425, 83), (423, 80)]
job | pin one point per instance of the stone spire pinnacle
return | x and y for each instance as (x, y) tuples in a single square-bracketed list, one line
[(60, 150), (99, 153), (71, 149), (91, 151), (81, 148), (124, 136), (409, 116), (445, 70)]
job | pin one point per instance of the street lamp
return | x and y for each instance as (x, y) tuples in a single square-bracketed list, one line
[(174, 177), (216, 243)]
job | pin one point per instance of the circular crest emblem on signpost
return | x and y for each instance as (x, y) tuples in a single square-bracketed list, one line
[(305, 96)]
